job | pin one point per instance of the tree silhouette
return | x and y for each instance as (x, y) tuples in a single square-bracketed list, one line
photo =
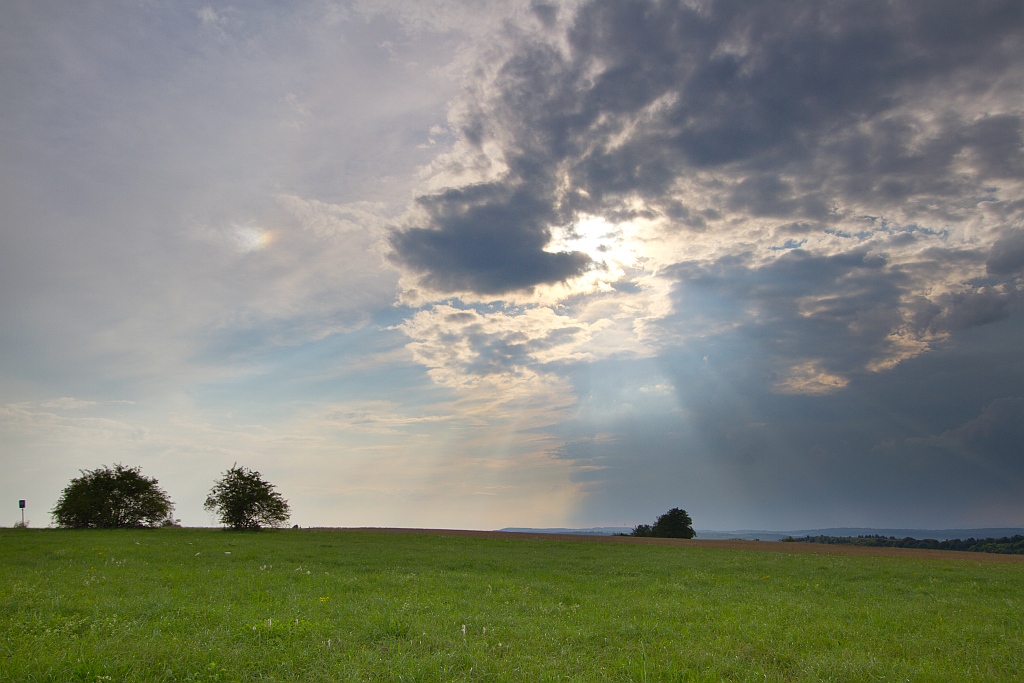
[(673, 524), (244, 501), (107, 498)]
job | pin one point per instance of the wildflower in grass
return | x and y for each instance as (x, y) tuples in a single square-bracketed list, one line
[(325, 599)]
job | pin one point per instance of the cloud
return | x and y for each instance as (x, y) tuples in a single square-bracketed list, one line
[(977, 458), (379, 417), (966, 309), (819, 318), (763, 257), (924, 441), (163, 210), (997, 432), (889, 141), (767, 89), (809, 378), (67, 403), (208, 16), (1007, 254), (20, 420), (487, 239), (332, 220), (465, 347), (819, 202)]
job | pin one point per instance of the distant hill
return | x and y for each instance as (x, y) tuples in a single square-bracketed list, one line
[(937, 534), (764, 535), (593, 531)]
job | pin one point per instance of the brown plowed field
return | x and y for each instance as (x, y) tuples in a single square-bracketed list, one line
[(762, 546)]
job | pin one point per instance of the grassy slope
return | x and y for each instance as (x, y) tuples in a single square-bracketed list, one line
[(353, 606)]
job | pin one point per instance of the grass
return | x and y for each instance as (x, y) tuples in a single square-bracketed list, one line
[(206, 605)]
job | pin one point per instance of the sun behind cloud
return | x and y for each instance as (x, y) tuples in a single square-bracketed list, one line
[(611, 247), (250, 238)]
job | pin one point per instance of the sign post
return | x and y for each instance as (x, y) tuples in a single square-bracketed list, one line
[(21, 504)]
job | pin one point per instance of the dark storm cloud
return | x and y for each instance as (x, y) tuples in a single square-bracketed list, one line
[(839, 308), (1007, 255), (935, 440), (798, 107), (767, 88), (961, 310), (492, 241), (989, 441)]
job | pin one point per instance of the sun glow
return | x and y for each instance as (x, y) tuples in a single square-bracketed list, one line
[(251, 238), (610, 246)]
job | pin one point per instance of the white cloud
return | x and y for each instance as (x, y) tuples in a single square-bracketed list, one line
[(208, 16), (809, 378), (67, 403), (464, 347), (334, 220)]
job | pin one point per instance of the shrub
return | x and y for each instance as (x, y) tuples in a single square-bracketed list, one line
[(244, 501), (107, 498)]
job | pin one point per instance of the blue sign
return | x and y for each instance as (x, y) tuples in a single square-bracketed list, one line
[(21, 504)]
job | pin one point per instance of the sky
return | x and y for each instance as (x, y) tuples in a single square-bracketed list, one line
[(480, 264)]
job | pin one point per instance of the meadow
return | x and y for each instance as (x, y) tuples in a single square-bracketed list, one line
[(332, 605)]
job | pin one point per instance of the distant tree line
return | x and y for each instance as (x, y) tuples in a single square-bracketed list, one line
[(1007, 545), (121, 497)]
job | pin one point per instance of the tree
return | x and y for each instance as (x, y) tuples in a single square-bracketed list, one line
[(673, 524), (244, 501), (107, 498)]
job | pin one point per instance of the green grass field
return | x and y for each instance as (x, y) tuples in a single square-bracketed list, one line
[(208, 605)]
